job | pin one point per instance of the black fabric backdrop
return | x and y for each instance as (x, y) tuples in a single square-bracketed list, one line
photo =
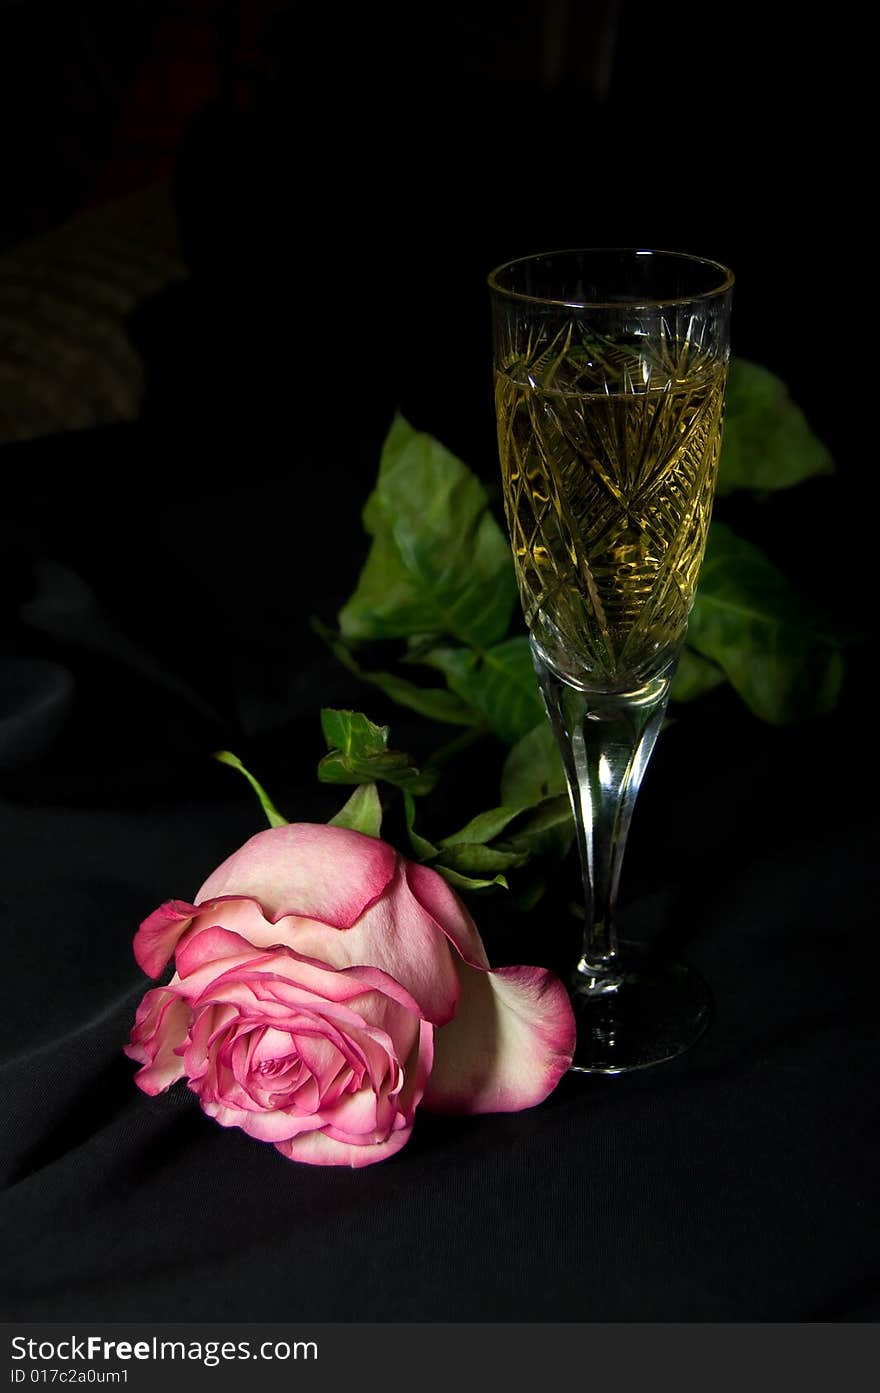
[(158, 584)]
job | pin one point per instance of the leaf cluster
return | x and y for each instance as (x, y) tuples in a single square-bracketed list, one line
[(429, 625)]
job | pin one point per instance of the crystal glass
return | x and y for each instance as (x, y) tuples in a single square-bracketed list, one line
[(610, 370)]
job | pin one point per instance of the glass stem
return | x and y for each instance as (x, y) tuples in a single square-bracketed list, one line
[(605, 740)]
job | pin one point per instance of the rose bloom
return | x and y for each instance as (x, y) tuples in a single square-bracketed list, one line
[(325, 986)]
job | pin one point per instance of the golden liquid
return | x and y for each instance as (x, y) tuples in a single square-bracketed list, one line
[(608, 462)]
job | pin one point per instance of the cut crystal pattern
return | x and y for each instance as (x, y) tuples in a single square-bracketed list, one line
[(609, 452)]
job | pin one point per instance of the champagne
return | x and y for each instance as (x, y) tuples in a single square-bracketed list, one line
[(608, 461)]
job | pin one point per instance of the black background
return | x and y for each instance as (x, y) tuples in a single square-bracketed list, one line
[(339, 208)]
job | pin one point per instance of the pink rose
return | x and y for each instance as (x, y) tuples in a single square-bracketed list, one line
[(325, 986)]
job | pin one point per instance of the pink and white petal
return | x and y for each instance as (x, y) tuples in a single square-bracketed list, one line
[(237, 1083), (309, 869), (417, 1070), (356, 1116), (348, 1006), (373, 1137), (320, 1024), (252, 997), (207, 945), (158, 935), (264, 1126), (379, 1017), (207, 1024), (222, 1085), (215, 963), (241, 914), (363, 1047), (302, 1101), (235, 978), (398, 937), (273, 1045), (346, 1081), (317, 1149), (386, 1007), (437, 898), (279, 1126), (322, 1057), (289, 969), (511, 1041), (382, 983), (367, 1048), (238, 1052), (244, 915), (210, 1058), (215, 953), (147, 1019), (160, 1029)]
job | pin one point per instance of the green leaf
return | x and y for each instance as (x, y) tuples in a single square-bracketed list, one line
[(362, 812), (393, 767), (359, 754), (437, 703), (500, 682), (466, 850), (547, 830), (694, 676), (482, 828), (749, 620), (767, 442), (469, 858), (533, 770), (424, 849), (467, 882), (352, 732), (439, 563), (272, 813)]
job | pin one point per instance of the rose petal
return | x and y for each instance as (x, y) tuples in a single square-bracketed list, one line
[(245, 917), (373, 979), (214, 957), (367, 1019), (208, 969), (161, 1024), (393, 1113), (437, 898), (208, 945), (161, 932), (309, 869), (399, 937), (357, 1115), (265, 1126), (158, 935), (513, 1034), (273, 1044), (511, 1041), (321, 1056), (317, 1149), (417, 1071)]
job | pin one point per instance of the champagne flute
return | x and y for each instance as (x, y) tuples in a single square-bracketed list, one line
[(610, 370)]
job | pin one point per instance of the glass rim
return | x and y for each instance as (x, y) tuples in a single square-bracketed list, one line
[(636, 303)]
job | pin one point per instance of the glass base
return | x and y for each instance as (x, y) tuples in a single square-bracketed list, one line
[(656, 1012)]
